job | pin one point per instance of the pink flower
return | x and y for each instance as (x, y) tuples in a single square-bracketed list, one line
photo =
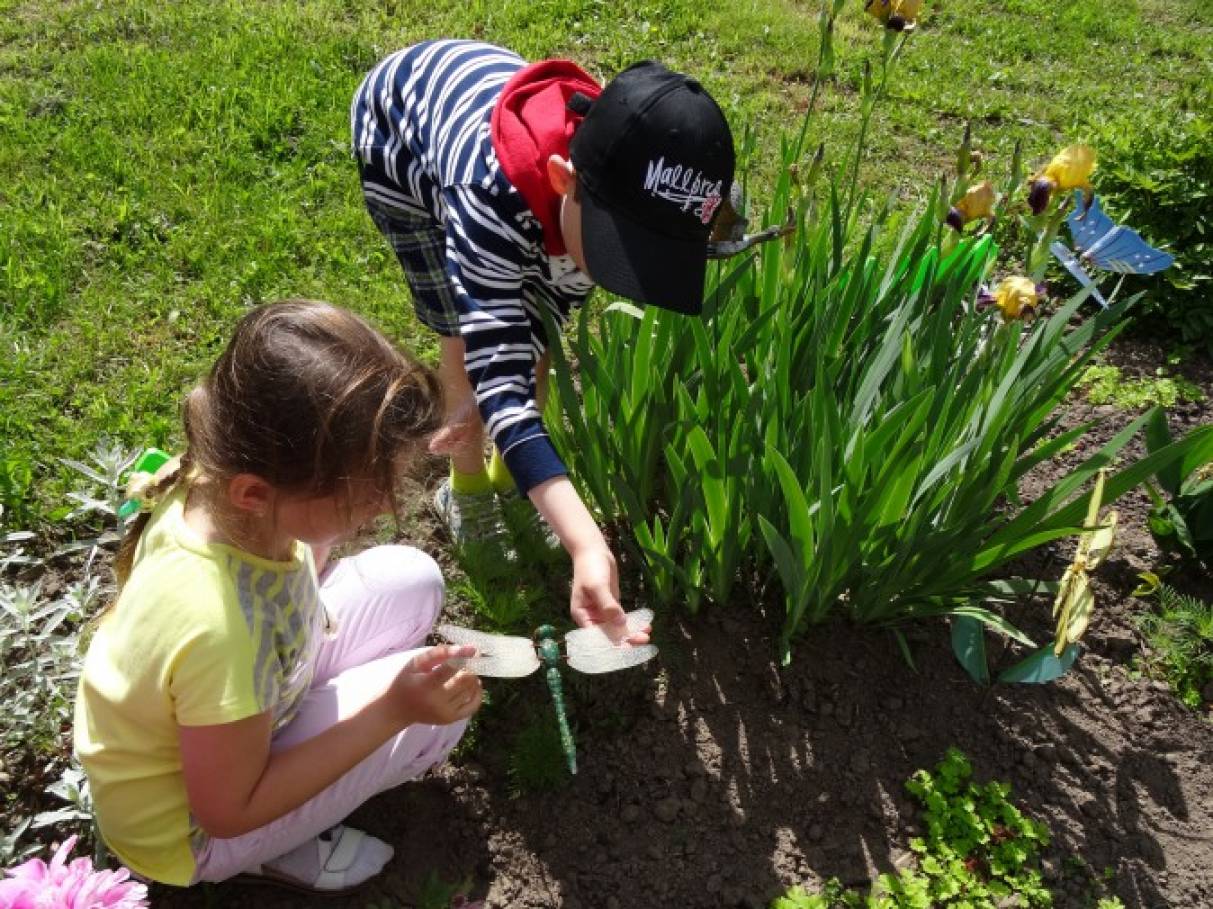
[(69, 885)]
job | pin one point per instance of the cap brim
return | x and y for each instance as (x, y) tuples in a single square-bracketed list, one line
[(630, 259)]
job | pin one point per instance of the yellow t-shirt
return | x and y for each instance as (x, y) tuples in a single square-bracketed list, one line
[(202, 634)]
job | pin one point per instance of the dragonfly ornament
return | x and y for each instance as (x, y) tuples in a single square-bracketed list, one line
[(1106, 245), (588, 649)]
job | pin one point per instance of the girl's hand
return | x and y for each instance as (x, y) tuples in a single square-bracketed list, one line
[(595, 596), (236, 783), (426, 690)]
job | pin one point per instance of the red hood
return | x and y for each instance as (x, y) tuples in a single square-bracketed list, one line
[(532, 122)]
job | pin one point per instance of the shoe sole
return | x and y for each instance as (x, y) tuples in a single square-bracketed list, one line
[(294, 886)]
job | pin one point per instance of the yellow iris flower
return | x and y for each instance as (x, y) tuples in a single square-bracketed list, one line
[(1070, 169), (978, 202), (898, 15), (1016, 298), (878, 9)]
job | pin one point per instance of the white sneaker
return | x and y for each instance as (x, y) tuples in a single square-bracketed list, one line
[(339, 860)]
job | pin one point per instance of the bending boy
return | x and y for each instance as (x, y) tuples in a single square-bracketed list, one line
[(507, 190)]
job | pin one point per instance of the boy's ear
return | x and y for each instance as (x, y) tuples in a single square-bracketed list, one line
[(248, 492), (561, 175)]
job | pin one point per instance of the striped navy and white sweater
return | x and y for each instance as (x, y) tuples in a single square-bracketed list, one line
[(421, 131)]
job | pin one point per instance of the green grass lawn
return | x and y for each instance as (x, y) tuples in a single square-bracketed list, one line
[(166, 164)]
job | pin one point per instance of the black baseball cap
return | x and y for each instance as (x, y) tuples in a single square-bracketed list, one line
[(654, 160)]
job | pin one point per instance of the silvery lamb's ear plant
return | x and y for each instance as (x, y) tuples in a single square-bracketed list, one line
[(41, 651), (102, 496), (40, 645), (841, 418), (72, 789), (12, 848), (110, 463), (16, 557), (76, 817)]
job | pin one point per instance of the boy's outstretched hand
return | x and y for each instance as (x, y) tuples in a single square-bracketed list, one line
[(595, 595), (426, 690)]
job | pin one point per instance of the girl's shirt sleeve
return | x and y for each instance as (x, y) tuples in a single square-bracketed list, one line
[(251, 645), (211, 678)]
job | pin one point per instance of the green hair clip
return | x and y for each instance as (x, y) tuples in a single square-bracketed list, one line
[(139, 481)]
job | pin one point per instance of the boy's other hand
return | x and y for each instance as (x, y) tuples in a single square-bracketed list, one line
[(461, 429), (595, 595)]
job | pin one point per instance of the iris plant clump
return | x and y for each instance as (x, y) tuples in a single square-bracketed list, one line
[(844, 424)]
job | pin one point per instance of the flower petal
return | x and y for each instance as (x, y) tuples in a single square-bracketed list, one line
[(1071, 167), (978, 202), (1016, 298), (1039, 194)]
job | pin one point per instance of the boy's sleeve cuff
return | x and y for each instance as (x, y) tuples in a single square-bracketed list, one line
[(532, 461)]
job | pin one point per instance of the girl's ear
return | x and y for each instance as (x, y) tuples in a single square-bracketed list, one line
[(561, 175), (248, 492)]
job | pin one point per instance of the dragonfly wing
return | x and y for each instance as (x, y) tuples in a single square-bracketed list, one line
[(591, 649), (1066, 258), (500, 656), (637, 619), (609, 659)]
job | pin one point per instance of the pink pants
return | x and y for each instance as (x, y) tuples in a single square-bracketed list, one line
[(385, 601)]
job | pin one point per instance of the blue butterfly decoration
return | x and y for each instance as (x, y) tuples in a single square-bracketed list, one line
[(1106, 245)]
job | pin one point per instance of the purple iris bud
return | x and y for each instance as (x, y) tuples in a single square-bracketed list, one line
[(1038, 195), (955, 219), (984, 298), (1042, 290)]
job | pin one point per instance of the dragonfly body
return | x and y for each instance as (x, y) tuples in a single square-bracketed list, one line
[(549, 655), (586, 650)]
